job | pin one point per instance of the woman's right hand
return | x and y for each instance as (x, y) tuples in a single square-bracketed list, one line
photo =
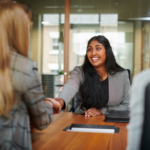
[(54, 103)]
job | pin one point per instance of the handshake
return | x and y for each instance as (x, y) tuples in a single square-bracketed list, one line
[(56, 104)]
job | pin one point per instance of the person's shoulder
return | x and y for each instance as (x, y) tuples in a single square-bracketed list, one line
[(143, 75), (78, 69), (141, 80), (121, 73), (22, 63)]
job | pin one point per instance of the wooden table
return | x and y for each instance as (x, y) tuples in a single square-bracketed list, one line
[(54, 138)]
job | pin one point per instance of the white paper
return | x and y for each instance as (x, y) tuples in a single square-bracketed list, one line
[(92, 130)]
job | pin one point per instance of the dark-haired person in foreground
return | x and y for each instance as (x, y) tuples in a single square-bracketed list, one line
[(102, 83), (139, 114)]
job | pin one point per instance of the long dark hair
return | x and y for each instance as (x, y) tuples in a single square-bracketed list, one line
[(91, 90)]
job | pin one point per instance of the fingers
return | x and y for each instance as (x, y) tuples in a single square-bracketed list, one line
[(92, 112), (55, 103), (88, 110), (55, 111), (61, 102), (56, 99), (89, 113)]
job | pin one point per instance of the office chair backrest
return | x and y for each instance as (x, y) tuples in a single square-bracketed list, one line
[(129, 73), (145, 138), (76, 101)]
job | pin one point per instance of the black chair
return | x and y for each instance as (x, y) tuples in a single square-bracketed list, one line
[(145, 138), (76, 101), (129, 73)]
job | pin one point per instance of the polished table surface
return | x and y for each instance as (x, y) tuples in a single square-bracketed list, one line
[(54, 138)]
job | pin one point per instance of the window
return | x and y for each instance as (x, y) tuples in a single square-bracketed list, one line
[(55, 44)]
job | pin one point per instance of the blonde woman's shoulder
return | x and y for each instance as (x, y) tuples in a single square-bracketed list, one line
[(22, 64)]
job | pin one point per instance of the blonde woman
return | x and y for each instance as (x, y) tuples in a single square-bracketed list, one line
[(21, 94)]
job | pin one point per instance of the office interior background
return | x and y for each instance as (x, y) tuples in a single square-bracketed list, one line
[(126, 24)]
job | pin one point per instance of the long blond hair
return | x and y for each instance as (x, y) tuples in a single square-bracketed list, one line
[(14, 33)]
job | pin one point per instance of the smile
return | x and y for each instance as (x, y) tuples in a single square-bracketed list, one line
[(95, 59)]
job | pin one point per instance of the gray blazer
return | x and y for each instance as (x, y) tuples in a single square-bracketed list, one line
[(119, 86), (135, 125), (29, 107)]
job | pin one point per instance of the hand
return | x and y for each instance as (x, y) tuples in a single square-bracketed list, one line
[(92, 112), (61, 101), (55, 104)]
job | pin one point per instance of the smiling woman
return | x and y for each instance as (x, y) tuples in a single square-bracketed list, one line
[(96, 54), (103, 85)]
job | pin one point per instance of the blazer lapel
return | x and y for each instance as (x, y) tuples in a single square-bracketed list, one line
[(112, 81)]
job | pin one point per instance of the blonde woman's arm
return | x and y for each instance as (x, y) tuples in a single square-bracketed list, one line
[(40, 112)]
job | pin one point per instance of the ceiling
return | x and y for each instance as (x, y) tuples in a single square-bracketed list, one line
[(124, 8)]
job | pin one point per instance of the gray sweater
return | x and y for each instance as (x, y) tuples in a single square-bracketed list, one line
[(119, 86), (29, 108)]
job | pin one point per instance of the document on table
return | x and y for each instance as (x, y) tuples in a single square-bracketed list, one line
[(92, 128)]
